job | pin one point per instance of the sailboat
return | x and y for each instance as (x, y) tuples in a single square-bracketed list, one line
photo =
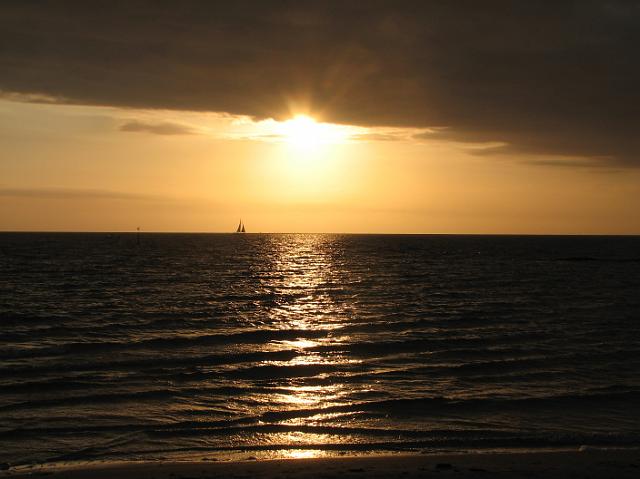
[(240, 227)]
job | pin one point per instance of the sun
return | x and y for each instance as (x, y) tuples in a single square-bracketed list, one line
[(302, 131), (305, 133)]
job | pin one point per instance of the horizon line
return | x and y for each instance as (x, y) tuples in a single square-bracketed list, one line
[(134, 232)]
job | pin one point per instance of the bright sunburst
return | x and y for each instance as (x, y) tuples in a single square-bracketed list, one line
[(306, 133)]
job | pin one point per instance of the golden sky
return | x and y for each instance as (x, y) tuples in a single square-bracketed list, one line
[(404, 116), (92, 168)]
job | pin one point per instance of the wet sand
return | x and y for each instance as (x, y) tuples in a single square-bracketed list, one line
[(590, 464)]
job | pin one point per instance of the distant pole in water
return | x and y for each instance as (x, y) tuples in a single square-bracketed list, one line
[(138, 236)]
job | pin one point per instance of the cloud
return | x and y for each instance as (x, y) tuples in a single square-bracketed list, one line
[(378, 136), (71, 193), (163, 128), (545, 78), (571, 163)]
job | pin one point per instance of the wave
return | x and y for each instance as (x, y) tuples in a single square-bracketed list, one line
[(163, 343), (426, 406), (416, 407), (264, 336), (104, 452), (581, 259)]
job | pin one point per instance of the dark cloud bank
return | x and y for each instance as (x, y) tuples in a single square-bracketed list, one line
[(545, 77)]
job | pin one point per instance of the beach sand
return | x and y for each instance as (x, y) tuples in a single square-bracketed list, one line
[(590, 464)]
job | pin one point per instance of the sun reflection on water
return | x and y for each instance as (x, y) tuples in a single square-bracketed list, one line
[(303, 280), (312, 395), (304, 453), (301, 343)]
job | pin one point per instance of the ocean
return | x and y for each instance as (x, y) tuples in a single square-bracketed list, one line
[(119, 347)]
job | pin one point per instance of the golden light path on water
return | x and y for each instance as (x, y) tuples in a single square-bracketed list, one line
[(303, 268)]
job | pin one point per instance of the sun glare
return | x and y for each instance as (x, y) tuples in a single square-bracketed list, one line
[(304, 132)]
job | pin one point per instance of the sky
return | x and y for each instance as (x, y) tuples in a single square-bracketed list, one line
[(358, 117)]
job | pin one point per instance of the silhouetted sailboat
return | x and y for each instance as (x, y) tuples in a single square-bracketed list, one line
[(240, 227)]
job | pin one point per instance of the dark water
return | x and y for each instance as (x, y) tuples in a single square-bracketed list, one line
[(285, 344)]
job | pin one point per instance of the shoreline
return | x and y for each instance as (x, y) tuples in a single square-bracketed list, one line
[(586, 462)]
